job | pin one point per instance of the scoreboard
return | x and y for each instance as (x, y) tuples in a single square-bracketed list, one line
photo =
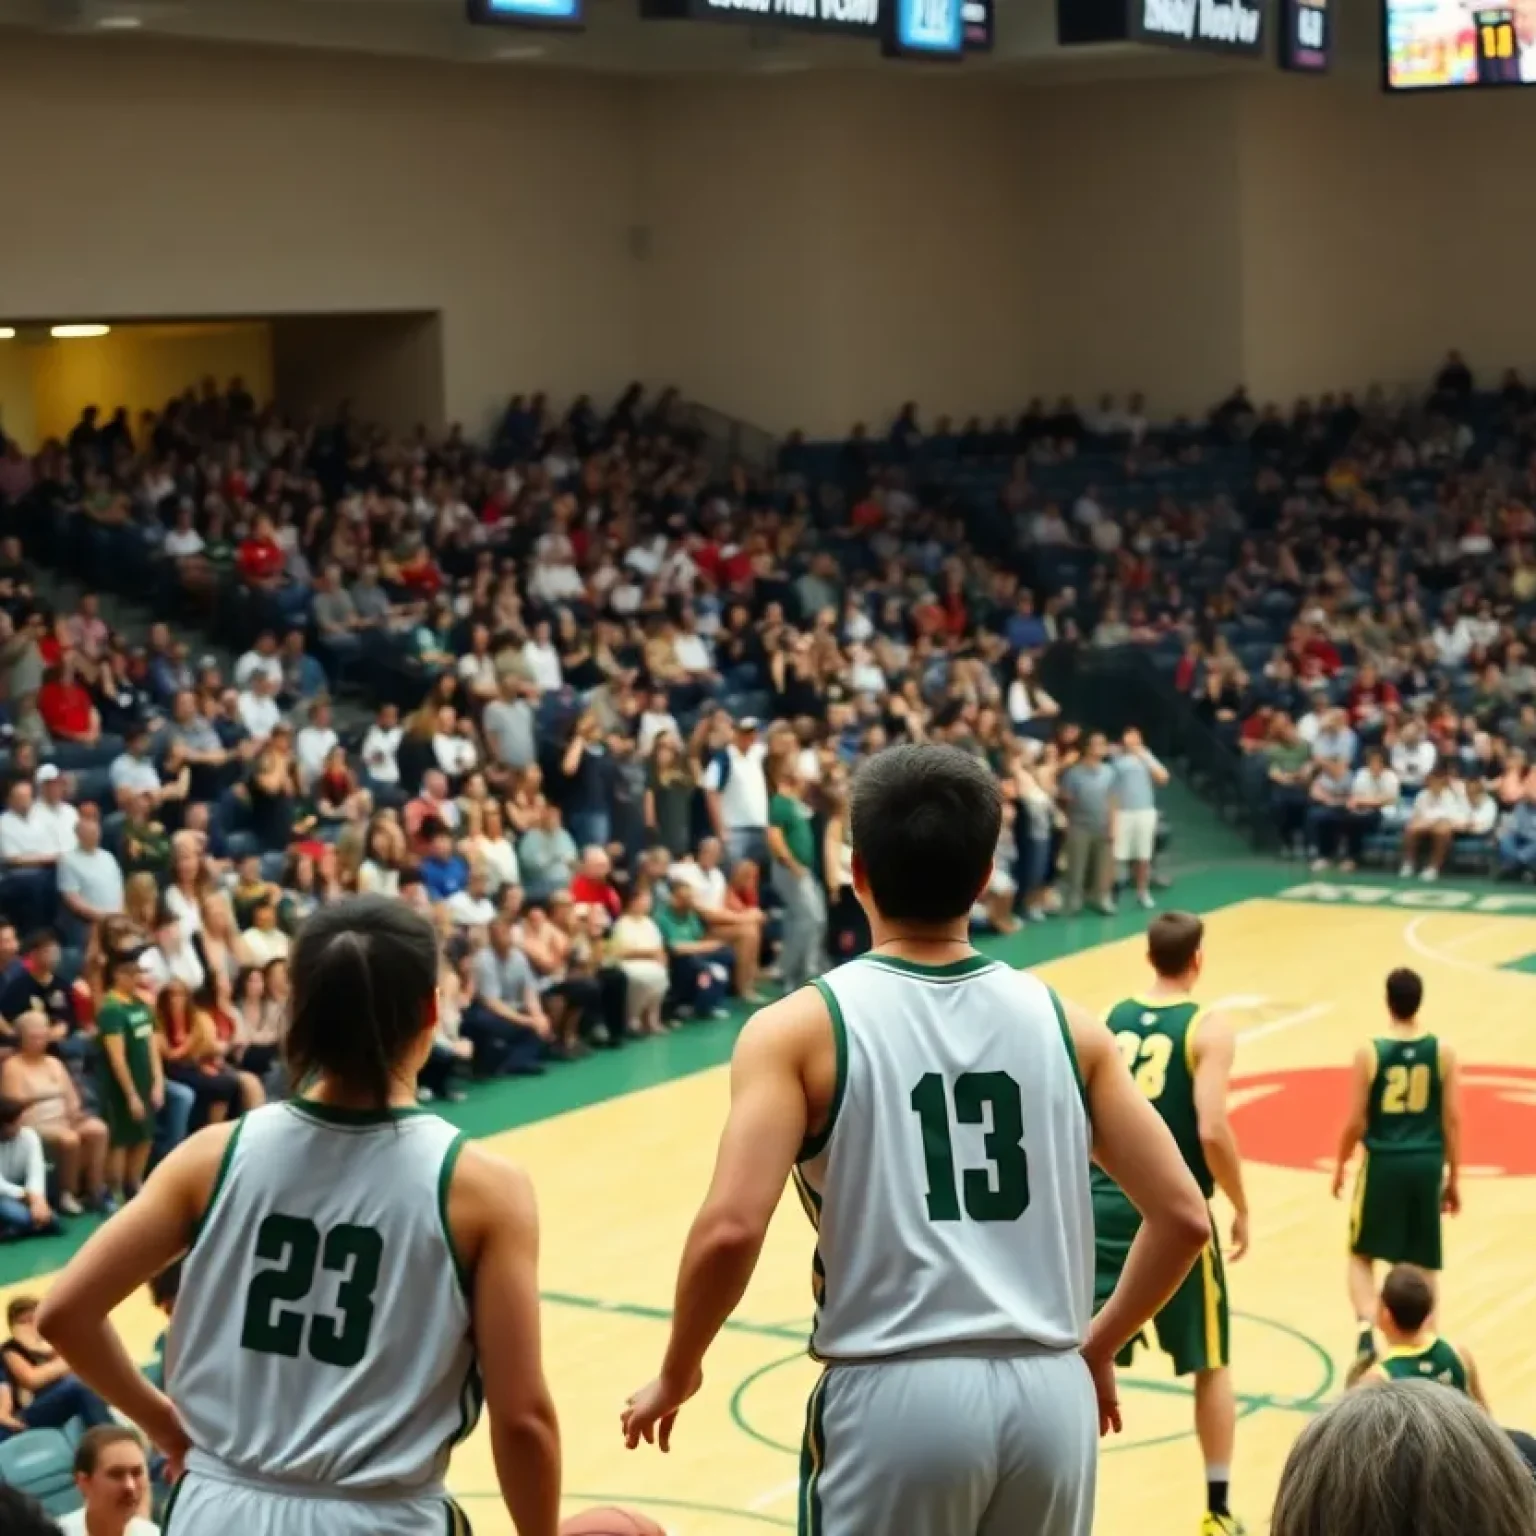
[(1306, 35), (1434, 45)]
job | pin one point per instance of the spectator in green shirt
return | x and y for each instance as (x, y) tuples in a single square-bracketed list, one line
[(1290, 771), (699, 966), (132, 1081), (792, 846)]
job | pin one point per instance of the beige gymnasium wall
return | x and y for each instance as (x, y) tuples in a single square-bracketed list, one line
[(799, 250)]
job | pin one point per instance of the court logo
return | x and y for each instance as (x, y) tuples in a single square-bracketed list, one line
[(1357, 893), (1292, 1119)]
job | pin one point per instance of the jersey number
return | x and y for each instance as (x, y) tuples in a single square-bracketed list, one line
[(294, 1247), (998, 1192), (1407, 1090), (1146, 1058)]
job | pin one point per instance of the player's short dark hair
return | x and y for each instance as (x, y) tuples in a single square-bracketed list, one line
[(1408, 1297), (94, 1441), (22, 1515), (1405, 993), (364, 971), (1173, 941), (925, 826)]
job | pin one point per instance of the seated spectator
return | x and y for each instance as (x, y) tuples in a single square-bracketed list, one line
[(90, 880), (192, 1055), (1413, 757), (145, 842), (506, 1021), (37, 1390), (487, 842), (1517, 842), (593, 886), (133, 772), (337, 794), (172, 956), (265, 940), (24, 1208), (258, 707), (27, 840), (635, 945), (66, 707), (384, 854), (1375, 799), (699, 967), (1439, 813), (1328, 809), (313, 745), (739, 927), (112, 1478), (74, 1140), (444, 870), (546, 854), (472, 907), (434, 807), (1289, 773)]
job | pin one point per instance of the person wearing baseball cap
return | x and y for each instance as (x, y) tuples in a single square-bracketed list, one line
[(736, 792)]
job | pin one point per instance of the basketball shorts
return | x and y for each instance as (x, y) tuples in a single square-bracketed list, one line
[(1396, 1214), (938, 1446), (207, 1506), (1194, 1326)]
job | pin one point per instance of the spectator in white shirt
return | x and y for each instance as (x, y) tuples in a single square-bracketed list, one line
[(736, 793), (472, 907), (1413, 758), (542, 659), (477, 668), (1452, 638), (1482, 810), (261, 660), (691, 651), (132, 773), (264, 941), (259, 713), (313, 743), (53, 808), (453, 744), (1374, 797), (381, 748), (112, 1477), (656, 720), (26, 839), (741, 929), (1439, 812)]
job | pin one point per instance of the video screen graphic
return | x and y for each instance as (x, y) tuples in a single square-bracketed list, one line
[(1306, 38), (1436, 44)]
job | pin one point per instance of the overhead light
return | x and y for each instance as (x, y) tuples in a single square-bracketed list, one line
[(119, 23), (7, 333), (521, 51), (77, 332)]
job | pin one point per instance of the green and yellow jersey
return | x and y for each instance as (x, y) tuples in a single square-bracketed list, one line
[(1431, 1359), (1404, 1112), (1156, 1037)]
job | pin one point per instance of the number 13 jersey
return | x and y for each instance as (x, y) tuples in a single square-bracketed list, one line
[(322, 1333), (949, 1188)]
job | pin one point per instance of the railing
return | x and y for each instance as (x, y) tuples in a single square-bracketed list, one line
[(728, 439), (1108, 690)]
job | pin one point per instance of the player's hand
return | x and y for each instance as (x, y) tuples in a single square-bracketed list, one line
[(169, 1436), (1338, 1180), (1450, 1199), (1239, 1236), (650, 1414), (1102, 1368)]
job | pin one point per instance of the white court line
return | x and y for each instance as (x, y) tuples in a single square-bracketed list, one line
[(1427, 951), (1285, 1021), (774, 1496)]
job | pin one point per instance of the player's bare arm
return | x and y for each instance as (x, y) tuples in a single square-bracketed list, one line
[(1450, 1120), (494, 1218), (1136, 1149), (1474, 1380), (150, 1232), (1215, 1051), (763, 1133), (1362, 1070)]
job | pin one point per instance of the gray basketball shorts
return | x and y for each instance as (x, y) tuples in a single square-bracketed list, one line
[(951, 1446), (210, 1506)]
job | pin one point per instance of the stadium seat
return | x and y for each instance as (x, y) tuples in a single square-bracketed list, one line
[(42, 1462)]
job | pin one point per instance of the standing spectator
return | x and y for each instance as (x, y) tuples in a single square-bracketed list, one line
[(314, 743), (1088, 795), (669, 796), (697, 965), (506, 1022), (24, 1208), (736, 791), (76, 1141), (132, 1082), (793, 875), (1439, 811), (508, 725), (1138, 777), (112, 1477), (587, 794), (381, 755)]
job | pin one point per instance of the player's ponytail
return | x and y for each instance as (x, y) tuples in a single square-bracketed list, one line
[(364, 975)]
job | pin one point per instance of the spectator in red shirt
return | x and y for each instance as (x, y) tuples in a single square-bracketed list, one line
[(260, 557), (591, 887), (1312, 652), (66, 707), (1371, 696)]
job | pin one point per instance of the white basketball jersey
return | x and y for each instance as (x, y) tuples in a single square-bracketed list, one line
[(322, 1334), (950, 1192)]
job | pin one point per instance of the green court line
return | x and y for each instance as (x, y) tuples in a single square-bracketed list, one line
[(619, 1500)]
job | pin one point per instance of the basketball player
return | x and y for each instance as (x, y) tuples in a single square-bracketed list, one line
[(1406, 1109), (1180, 1058), (1415, 1352), (353, 1271), (938, 1111)]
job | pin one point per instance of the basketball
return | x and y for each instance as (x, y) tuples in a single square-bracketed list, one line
[(610, 1522)]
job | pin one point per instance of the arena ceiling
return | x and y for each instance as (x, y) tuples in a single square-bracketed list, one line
[(615, 40)]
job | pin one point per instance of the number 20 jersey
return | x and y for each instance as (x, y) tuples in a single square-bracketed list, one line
[(322, 1334), (949, 1190)]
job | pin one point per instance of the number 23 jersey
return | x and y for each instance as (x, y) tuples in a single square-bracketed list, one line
[(949, 1189), (322, 1332)]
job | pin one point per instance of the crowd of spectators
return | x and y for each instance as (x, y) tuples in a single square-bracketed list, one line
[(616, 699)]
